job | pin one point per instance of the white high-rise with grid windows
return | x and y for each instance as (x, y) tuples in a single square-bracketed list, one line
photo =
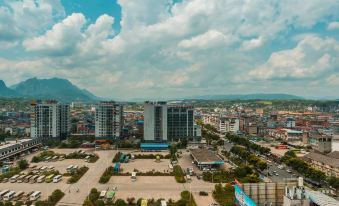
[(108, 120), (50, 119)]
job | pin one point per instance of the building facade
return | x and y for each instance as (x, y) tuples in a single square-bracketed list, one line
[(108, 120), (228, 125), (168, 122), (155, 121), (50, 119), (180, 122)]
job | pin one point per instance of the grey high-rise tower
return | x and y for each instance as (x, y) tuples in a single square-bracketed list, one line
[(168, 122), (108, 120), (50, 119)]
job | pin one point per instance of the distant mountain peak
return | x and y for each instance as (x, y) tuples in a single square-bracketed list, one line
[(53, 88), (5, 91)]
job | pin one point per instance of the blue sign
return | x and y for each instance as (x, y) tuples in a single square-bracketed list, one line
[(241, 198)]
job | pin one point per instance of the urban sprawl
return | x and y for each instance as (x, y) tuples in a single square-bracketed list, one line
[(176, 153)]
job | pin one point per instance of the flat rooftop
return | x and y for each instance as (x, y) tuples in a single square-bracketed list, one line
[(205, 156), (12, 142)]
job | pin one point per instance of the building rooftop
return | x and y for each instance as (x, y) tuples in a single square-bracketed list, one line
[(330, 159), (321, 199), (12, 142), (206, 156)]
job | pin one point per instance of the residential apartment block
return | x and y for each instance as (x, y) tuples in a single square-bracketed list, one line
[(108, 120), (50, 119)]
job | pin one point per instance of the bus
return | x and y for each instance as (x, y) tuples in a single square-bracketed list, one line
[(110, 195), (43, 168), (3, 192), (41, 179), (27, 178), (49, 178), (9, 195), (57, 178), (102, 194), (134, 176), (14, 178), (33, 179), (69, 168), (21, 178), (36, 195), (18, 195), (144, 202), (163, 203)]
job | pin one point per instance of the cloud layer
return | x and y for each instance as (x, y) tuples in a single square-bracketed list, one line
[(166, 49)]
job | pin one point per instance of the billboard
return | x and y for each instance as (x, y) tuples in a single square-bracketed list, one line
[(241, 198)]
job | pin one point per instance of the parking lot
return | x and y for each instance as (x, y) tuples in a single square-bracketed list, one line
[(143, 187), (146, 165)]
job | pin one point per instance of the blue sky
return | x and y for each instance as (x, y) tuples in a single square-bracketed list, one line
[(162, 48)]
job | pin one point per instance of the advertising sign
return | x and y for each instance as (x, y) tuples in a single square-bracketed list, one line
[(241, 198)]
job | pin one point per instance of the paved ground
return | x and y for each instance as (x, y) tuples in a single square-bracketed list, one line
[(146, 187), (146, 165)]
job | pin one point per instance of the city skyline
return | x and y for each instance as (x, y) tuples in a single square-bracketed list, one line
[(123, 50)]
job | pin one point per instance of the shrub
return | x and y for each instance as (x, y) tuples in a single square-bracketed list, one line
[(179, 174), (77, 175)]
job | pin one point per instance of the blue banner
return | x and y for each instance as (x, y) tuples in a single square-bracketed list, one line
[(241, 198)]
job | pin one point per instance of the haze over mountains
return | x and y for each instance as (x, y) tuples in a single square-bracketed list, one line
[(63, 90), (54, 88)]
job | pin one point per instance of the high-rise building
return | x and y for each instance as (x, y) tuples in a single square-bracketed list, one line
[(180, 122), (168, 122), (108, 120), (50, 119), (155, 121)]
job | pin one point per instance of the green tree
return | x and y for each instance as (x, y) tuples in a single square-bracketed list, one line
[(22, 164), (120, 202)]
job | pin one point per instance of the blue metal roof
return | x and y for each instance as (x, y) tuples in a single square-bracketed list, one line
[(154, 145)]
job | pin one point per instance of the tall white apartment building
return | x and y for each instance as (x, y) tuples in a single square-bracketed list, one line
[(228, 125), (155, 121), (50, 119), (108, 120)]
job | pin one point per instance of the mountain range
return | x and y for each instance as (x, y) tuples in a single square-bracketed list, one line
[(63, 90), (273, 96), (54, 88)]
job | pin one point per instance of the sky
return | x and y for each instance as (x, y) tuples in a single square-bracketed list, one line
[(127, 49)]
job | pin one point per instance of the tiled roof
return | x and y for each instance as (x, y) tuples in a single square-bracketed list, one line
[(328, 160)]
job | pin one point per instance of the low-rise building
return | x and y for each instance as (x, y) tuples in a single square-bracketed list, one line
[(10, 149), (329, 164)]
